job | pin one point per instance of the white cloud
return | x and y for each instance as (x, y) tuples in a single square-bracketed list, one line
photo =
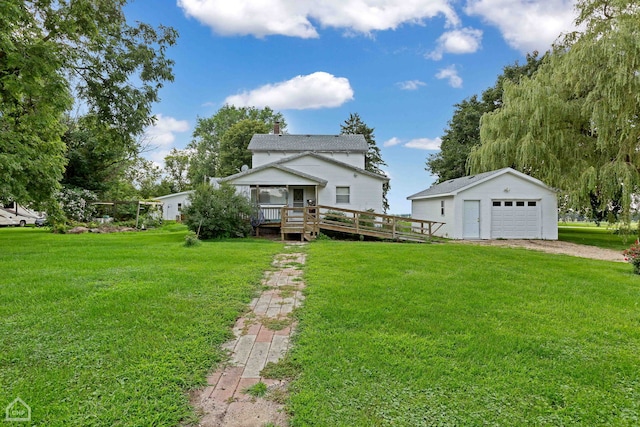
[(450, 73), (424, 143), (162, 133), (293, 18), (317, 90), (526, 25), (391, 142), (411, 84), (465, 40)]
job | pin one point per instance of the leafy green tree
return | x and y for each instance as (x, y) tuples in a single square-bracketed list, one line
[(462, 134), (207, 135), (145, 176), (373, 158), (97, 156), (54, 51), (218, 212), (234, 143), (576, 123), (463, 131), (176, 166)]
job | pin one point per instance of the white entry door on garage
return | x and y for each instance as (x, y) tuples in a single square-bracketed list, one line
[(471, 219), (515, 219)]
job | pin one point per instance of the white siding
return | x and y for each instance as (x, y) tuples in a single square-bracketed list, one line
[(430, 209), (506, 186), (365, 190), (272, 176), (262, 158), (509, 187), (170, 204)]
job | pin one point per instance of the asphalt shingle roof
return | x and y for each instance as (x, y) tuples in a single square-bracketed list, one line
[(453, 185), (270, 142), (279, 164)]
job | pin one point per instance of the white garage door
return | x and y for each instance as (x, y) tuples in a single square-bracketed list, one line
[(515, 219)]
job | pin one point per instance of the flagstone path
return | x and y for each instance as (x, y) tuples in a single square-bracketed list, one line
[(262, 335)]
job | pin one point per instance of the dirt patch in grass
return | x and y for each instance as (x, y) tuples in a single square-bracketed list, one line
[(555, 247)]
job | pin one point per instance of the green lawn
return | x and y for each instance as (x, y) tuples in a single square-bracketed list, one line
[(463, 335), (590, 234), (113, 330)]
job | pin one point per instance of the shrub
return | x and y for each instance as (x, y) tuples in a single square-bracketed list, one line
[(191, 239), (632, 255), (367, 220), (76, 203), (333, 216), (218, 212)]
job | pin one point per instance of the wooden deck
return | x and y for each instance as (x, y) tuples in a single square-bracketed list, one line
[(309, 221)]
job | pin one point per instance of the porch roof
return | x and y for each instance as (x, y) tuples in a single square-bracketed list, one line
[(276, 165), (279, 164)]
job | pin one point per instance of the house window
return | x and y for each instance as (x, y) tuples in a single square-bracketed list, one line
[(269, 195), (442, 207), (342, 195), (179, 207)]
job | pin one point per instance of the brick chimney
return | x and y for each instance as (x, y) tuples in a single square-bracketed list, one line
[(276, 128)]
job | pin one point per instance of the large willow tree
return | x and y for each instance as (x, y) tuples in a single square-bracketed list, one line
[(575, 124)]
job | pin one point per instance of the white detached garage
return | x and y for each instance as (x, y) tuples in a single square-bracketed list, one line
[(501, 204)]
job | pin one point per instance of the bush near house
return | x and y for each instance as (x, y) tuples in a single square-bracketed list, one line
[(218, 212)]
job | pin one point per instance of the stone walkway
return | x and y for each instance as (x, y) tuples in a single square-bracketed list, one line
[(262, 335)]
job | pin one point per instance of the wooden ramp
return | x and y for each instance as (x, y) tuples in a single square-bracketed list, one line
[(310, 220)]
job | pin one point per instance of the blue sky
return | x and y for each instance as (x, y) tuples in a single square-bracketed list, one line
[(400, 64)]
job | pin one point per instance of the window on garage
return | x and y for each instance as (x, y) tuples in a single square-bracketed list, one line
[(442, 207), (519, 203)]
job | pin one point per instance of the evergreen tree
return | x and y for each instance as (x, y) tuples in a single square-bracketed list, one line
[(373, 159)]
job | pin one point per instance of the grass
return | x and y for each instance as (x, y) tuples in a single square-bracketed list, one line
[(462, 335), (591, 235), (259, 389), (114, 330)]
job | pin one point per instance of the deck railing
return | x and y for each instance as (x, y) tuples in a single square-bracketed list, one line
[(311, 219)]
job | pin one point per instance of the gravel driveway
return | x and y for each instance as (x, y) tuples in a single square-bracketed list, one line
[(555, 247)]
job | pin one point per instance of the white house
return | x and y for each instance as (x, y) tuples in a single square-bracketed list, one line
[(173, 204), (307, 170), (501, 204)]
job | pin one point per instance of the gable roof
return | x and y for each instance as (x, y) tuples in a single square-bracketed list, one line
[(454, 186), (279, 164), (275, 165), (168, 196), (271, 142)]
